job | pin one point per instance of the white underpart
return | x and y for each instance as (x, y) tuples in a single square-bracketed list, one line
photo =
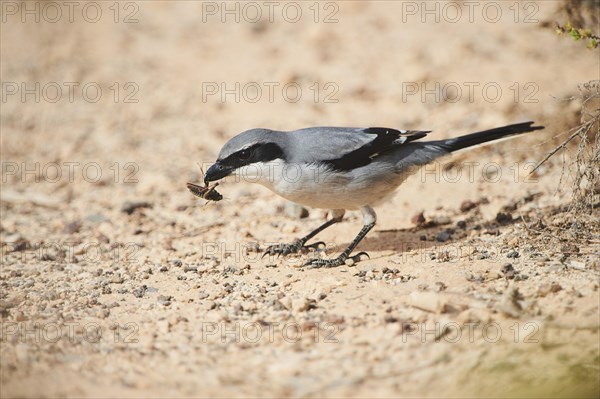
[(317, 186)]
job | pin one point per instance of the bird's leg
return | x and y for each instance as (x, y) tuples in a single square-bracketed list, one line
[(298, 245), (369, 218)]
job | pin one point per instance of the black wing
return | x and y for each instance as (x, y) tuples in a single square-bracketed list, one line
[(385, 140)]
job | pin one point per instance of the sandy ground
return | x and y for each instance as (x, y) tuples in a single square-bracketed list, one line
[(116, 281)]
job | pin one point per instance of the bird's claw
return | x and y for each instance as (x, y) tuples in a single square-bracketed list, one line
[(295, 247), (317, 263)]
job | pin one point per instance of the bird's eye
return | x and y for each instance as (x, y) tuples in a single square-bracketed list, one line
[(244, 154)]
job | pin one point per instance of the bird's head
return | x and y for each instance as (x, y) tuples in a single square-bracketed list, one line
[(246, 153)]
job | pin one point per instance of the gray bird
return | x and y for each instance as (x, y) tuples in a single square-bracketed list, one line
[(338, 168)]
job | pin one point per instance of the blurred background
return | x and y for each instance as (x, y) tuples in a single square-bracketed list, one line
[(109, 108)]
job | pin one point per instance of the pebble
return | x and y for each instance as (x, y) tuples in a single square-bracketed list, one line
[(509, 304), (277, 305), (418, 219), (428, 301), (577, 265), (72, 227), (295, 211), (441, 220), (164, 300), (546, 288), (503, 217), (203, 295), (163, 326), (509, 271), (129, 206), (96, 218), (443, 236), (139, 292), (440, 286), (303, 304), (466, 206), (475, 279), (15, 243)]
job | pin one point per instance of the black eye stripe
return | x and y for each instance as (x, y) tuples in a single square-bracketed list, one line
[(262, 152), (234, 159)]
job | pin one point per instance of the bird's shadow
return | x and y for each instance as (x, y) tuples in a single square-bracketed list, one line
[(397, 240), (422, 237)]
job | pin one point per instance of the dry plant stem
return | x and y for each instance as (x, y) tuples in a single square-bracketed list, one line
[(584, 128)]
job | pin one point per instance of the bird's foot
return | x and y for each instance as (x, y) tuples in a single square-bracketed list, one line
[(295, 247), (317, 263)]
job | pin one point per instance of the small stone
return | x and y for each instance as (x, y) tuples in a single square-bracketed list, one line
[(555, 287), (428, 301), (440, 286), (440, 220), (96, 218), (295, 211), (103, 313), (466, 206), (577, 265), (15, 243), (163, 326), (203, 295), (513, 242), (20, 316), (503, 217), (569, 249), (509, 271), (303, 304), (547, 288), (349, 262), (129, 206), (233, 270), (461, 224), (238, 308), (475, 279), (418, 219), (513, 255), (443, 236), (164, 300), (509, 304), (139, 292), (72, 227), (521, 277), (278, 305)]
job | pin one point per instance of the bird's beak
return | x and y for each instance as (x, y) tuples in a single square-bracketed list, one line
[(216, 172)]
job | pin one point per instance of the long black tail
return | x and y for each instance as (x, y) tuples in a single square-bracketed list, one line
[(458, 143)]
